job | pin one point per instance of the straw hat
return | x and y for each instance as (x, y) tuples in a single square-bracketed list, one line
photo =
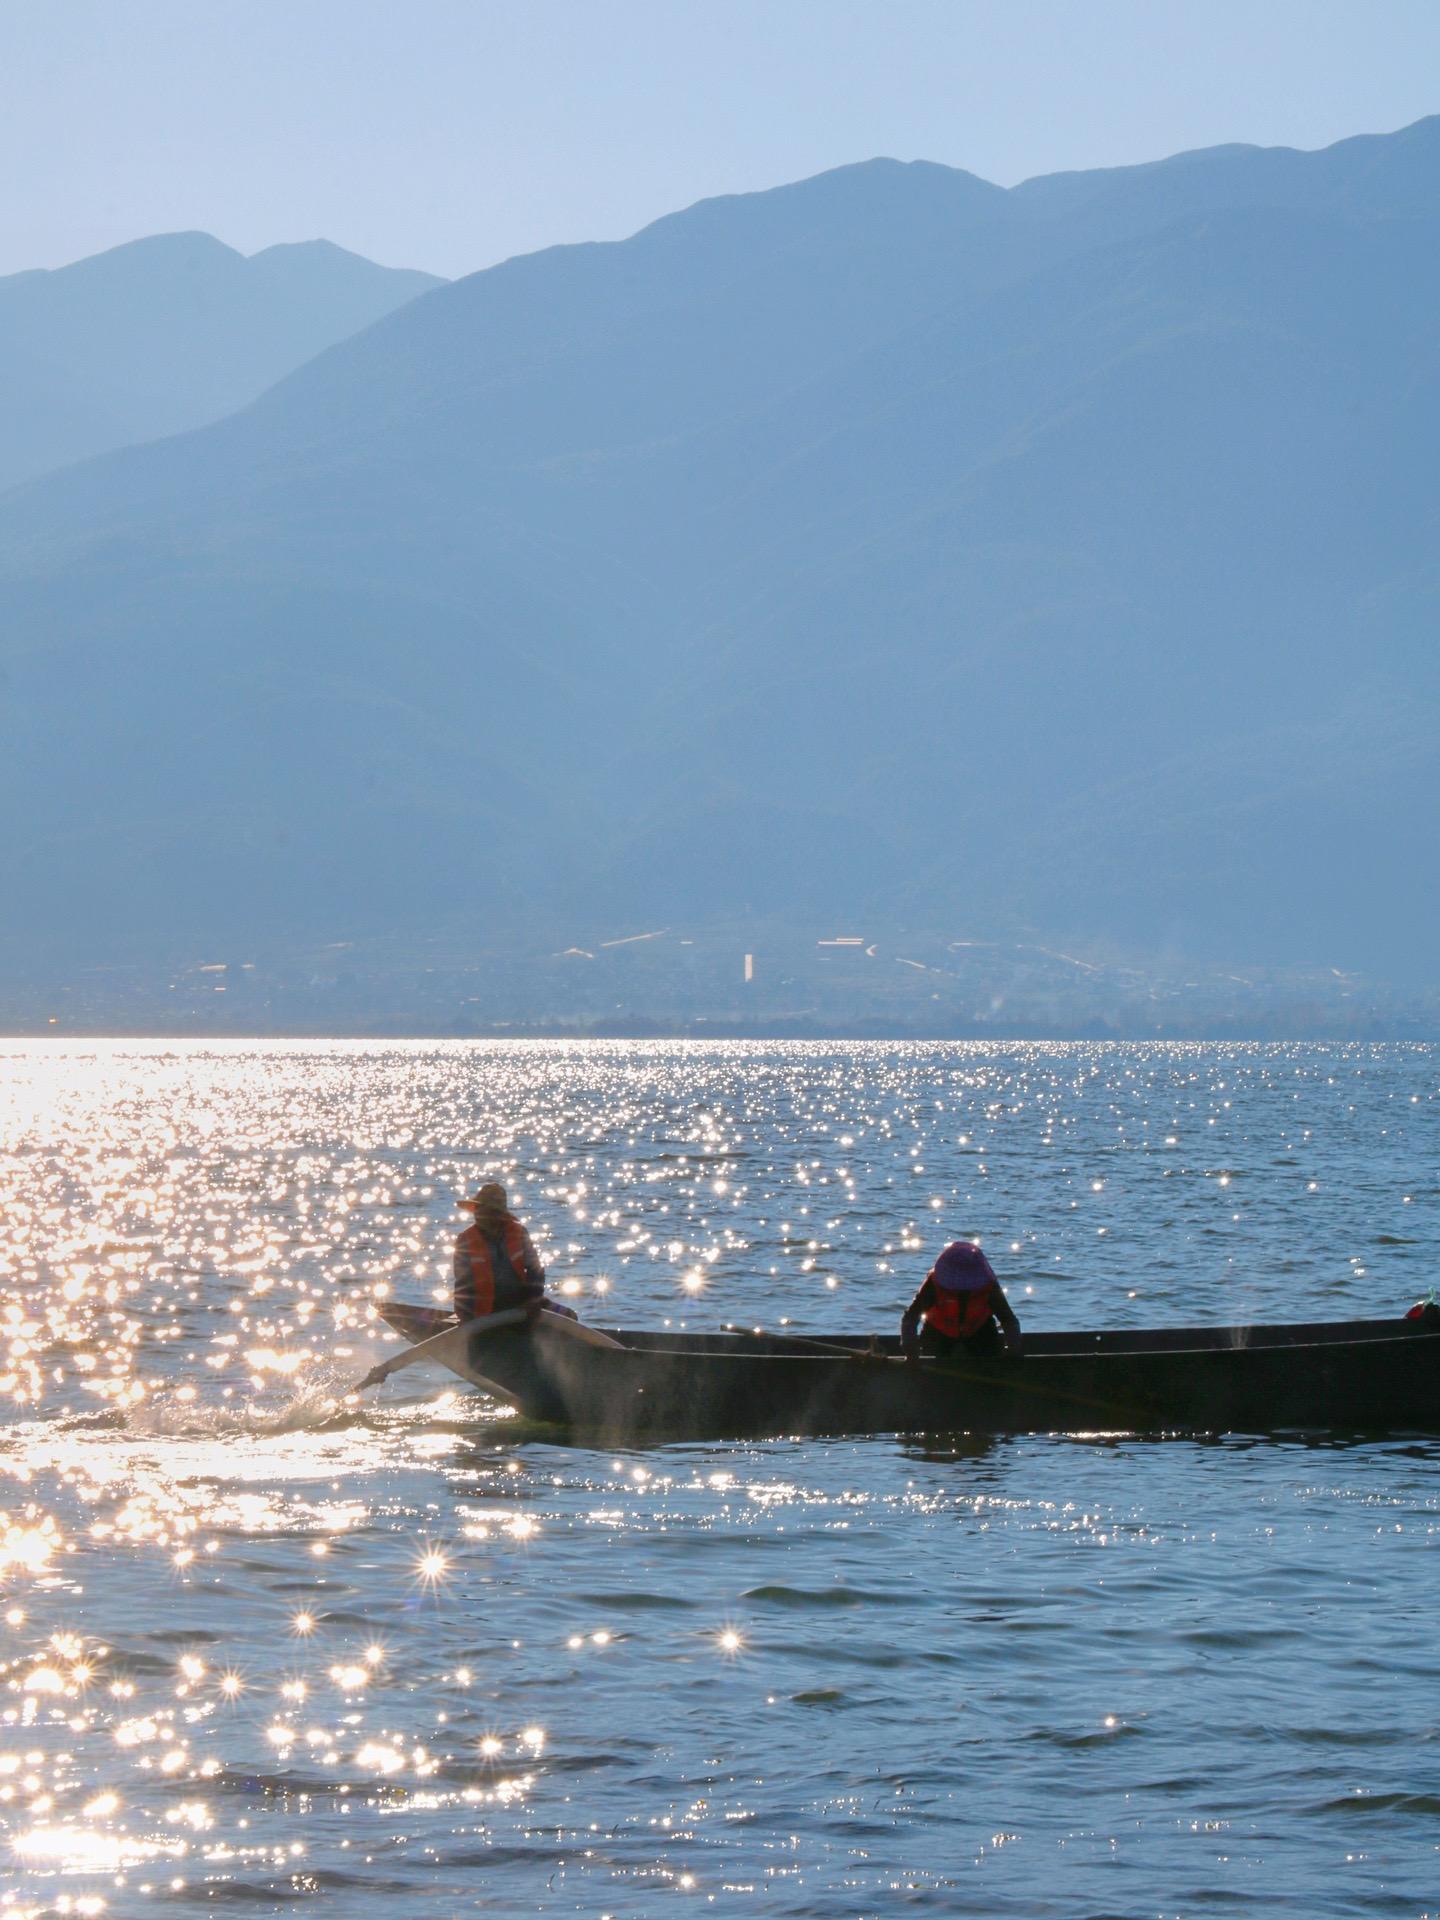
[(489, 1199)]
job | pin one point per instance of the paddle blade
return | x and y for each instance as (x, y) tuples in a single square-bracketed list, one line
[(442, 1345)]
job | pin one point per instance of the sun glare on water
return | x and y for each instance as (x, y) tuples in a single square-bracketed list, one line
[(266, 1646)]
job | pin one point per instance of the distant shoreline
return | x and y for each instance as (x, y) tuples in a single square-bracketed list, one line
[(702, 1031)]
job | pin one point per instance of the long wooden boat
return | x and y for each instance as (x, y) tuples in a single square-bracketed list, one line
[(1343, 1375)]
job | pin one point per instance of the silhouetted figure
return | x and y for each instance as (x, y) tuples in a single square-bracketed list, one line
[(964, 1309), (495, 1265)]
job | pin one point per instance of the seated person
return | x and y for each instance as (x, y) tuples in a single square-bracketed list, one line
[(965, 1309), (496, 1265)]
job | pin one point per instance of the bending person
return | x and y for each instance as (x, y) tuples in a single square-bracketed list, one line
[(964, 1309)]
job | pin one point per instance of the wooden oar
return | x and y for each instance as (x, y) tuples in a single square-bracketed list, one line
[(429, 1349), (561, 1323), (433, 1347)]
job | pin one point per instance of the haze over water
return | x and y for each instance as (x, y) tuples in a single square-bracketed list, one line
[(413, 1657)]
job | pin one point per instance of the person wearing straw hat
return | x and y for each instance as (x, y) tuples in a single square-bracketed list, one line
[(495, 1266)]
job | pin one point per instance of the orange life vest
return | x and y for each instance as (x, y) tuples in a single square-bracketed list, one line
[(959, 1316), (482, 1269)]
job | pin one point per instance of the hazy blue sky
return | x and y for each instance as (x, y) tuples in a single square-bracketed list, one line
[(449, 133)]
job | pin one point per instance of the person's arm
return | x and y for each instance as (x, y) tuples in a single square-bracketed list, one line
[(910, 1320), (534, 1274), (1009, 1325), (460, 1274)]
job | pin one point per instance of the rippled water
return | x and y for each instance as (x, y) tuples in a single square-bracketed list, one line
[(414, 1659)]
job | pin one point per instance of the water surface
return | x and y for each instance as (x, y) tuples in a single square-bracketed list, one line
[(414, 1658)]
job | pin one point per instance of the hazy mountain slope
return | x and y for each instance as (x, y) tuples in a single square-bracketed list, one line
[(166, 334), (1161, 534), (884, 543), (1371, 176)]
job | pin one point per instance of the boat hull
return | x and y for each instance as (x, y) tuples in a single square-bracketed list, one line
[(1376, 1376)]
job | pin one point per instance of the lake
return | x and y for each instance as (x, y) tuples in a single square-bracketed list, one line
[(267, 1653)]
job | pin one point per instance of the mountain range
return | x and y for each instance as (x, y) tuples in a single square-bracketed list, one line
[(1056, 562), (167, 334)]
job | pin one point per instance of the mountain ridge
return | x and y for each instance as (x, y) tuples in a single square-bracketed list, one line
[(166, 333), (1066, 574)]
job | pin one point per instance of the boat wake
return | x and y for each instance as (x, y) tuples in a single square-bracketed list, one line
[(309, 1409)]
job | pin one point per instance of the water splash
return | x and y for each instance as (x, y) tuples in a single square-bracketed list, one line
[(311, 1408)]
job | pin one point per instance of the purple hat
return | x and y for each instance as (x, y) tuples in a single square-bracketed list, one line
[(963, 1268)]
